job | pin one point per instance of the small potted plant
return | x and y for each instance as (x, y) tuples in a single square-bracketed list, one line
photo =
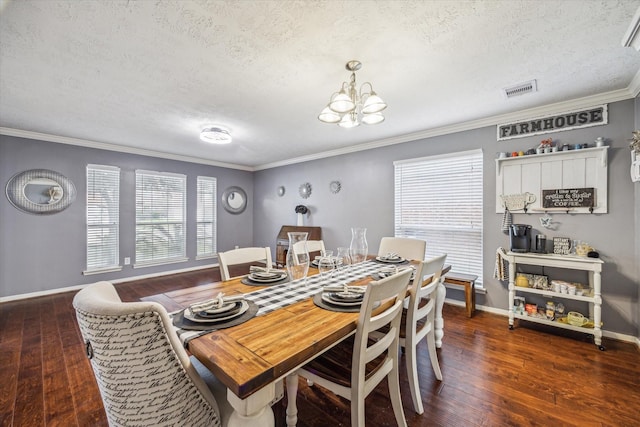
[(301, 210)]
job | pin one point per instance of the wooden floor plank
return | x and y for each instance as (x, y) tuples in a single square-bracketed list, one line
[(493, 376)]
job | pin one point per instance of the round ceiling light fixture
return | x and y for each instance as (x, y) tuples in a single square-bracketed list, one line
[(215, 135)]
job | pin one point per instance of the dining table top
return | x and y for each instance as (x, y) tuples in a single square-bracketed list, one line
[(267, 347)]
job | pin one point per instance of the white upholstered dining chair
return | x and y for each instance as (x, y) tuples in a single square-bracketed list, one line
[(355, 366), (405, 247), (242, 256), (312, 246), (417, 323), (144, 374)]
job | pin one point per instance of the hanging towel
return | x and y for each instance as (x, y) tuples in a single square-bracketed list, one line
[(506, 221), (501, 272)]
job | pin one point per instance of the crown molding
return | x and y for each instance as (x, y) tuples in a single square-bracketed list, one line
[(119, 148), (619, 95), (631, 37)]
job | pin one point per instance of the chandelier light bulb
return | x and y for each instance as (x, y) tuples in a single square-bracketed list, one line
[(329, 116), (372, 119), (342, 103), (373, 104)]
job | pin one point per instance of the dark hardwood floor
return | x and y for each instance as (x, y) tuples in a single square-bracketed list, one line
[(492, 376)]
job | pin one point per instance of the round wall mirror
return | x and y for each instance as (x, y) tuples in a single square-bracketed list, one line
[(234, 200), (40, 191)]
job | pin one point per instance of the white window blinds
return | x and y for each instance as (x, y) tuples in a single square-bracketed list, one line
[(103, 218), (160, 217), (439, 199), (206, 217)]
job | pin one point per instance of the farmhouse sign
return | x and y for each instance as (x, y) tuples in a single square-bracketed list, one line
[(569, 198), (595, 116)]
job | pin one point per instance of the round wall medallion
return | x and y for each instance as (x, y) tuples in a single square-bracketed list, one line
[(335, 187), (305, 190), (281, 191)]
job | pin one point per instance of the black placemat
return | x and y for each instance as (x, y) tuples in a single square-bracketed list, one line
[(249, 282), (179, 321), (317, 300)]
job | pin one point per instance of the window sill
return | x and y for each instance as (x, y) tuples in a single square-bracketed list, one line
[(160, 262), (102, 270)]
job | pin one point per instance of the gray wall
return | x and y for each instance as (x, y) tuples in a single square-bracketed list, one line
[(39, 253), (637, 222), (367, 198), (44, 252)]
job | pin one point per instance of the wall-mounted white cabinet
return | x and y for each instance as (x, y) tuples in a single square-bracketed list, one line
[(585, 168)]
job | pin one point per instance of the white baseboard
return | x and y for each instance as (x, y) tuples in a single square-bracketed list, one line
[(122, 280), (505, 313)]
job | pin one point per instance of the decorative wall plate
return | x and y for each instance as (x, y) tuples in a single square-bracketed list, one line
[(305, 190), (335, 187)]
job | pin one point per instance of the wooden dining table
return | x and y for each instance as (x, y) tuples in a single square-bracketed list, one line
[(252, 359)]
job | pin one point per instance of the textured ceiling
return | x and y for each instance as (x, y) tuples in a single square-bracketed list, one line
[(152, 74)]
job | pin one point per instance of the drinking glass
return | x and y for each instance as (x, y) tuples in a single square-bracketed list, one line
[(326, 265), (343, 259)]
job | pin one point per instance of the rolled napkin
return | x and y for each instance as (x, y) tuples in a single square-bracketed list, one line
[(390, 255), (257, 269), (345, 288), (216, 302)]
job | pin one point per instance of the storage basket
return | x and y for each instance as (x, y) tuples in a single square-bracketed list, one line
[(576, 319)]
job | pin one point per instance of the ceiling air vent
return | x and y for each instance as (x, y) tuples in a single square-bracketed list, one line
[(520, 89)]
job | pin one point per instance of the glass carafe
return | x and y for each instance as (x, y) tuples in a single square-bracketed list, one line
[(298, 259), (359, 248)]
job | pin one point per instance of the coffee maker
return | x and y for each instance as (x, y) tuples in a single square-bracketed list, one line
[(520, 235)]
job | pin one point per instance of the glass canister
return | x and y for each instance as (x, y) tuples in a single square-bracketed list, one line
[(359, 248), (297, 260)]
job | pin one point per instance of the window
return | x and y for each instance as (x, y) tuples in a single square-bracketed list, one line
[(206, 218), (439, 199), (103, 218), (160, 218)]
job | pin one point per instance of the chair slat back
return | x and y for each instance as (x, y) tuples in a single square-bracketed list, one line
[(405, 247), (242, 256), (391, 288)]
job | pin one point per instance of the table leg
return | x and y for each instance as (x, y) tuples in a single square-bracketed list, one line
[(292, 391), (255, 410), (438, 322)]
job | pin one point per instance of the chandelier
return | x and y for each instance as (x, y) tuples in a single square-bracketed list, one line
[(350, 106)]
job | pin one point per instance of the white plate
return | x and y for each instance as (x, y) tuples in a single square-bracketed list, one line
[(255, 278), (190, 316), (326, 298), (391, 261)]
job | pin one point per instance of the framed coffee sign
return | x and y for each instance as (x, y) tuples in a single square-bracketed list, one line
[(569, 198)]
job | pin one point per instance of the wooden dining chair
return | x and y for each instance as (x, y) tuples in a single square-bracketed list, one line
[(242, 256), (355, 366), (405, 247), (312, 246), (144, 374), (417, 323)]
